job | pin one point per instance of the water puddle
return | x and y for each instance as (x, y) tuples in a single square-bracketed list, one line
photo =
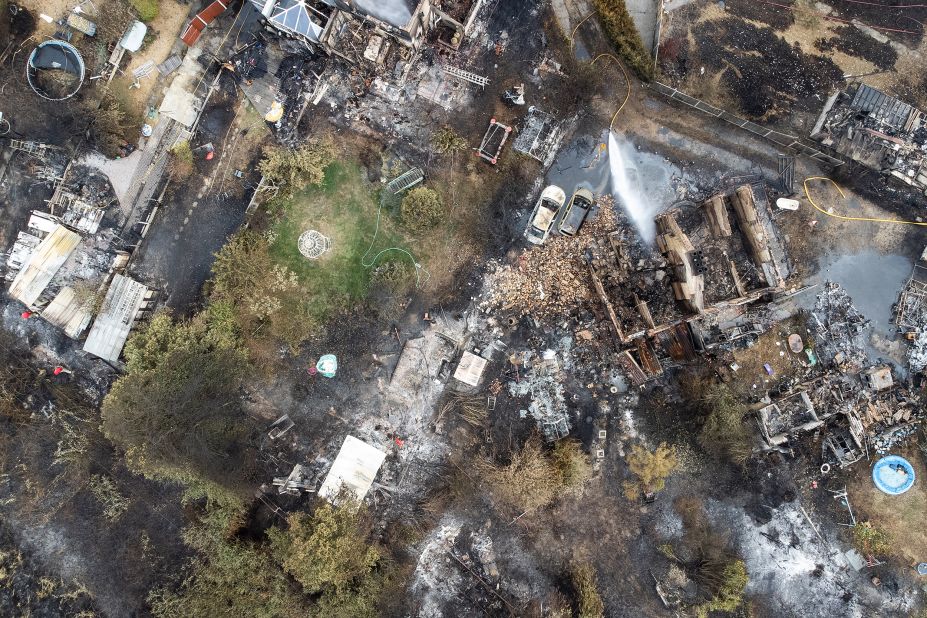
[(642, 183), (872, 280), (580, 51)]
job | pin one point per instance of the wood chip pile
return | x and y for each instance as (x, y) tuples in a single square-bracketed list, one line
[(550, 280)]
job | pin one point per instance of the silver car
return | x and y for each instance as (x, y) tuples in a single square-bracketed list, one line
[(544, 214)]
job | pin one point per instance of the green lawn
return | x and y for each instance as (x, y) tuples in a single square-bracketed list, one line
[(344, 208)]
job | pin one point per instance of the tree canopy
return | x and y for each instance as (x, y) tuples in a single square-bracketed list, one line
[(178, 411), (422, 209), (295, 169)]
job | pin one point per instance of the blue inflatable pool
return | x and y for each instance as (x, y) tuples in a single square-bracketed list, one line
[(893, 474)]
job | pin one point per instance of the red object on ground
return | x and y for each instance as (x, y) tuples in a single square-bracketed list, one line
[(199, 22), (399, 442), (57, 371), (313, 371), (26, 315), (210, 155)]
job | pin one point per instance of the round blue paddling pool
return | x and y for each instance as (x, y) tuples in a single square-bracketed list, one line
[(893, 474)]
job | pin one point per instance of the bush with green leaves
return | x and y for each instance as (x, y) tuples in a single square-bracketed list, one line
[(422, 209), (870, 540), (588, 600), (257, 293), (329, 554), (620, 28), (447, 141), (229, 579), (729, 594), (651, 469), (178, 413), (147, 10), (296, 169), (723, 432)]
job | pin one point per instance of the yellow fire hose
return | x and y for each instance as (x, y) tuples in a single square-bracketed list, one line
[(844, 217), (627, 80)]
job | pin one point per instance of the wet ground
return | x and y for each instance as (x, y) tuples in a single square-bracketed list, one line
[(647, 183)]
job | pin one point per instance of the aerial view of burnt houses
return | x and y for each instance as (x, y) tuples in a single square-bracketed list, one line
[(463, 308)]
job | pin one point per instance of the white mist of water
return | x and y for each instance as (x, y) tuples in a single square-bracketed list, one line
[(628, 190), (394, 12)]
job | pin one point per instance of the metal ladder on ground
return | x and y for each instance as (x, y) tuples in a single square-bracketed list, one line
[(36, 149), (467, 76), (406, 180)]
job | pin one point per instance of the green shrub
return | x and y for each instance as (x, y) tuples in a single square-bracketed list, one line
[(730, 594), (871, 541), (422, 209), (588, 600), (571, 463), (182, 160), (651, 468), (620, 28), (723, 433), (147, 9), (297, 169), (446, 141)]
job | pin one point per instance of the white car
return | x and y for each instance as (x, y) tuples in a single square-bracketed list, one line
[(544, 214)]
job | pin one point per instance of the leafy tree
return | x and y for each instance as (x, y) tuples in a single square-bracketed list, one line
[(651, 468), (299, 168), (730, 593), (177, 412), (446, 141), (229, 579), (422, 209), (328, 553), (871, 541), (620, 28), (588, 600), (327, 549), (252, 290)]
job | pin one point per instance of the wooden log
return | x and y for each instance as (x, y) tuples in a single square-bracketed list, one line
[(750, 226), (716, 214), (609, 309)]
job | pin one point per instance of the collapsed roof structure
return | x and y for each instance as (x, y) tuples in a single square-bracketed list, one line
[(721, 256), (344, 27), (65, 263), (876, 130)]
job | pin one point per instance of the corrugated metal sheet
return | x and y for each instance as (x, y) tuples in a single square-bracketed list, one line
[(882, 107), (111, 328), (199, 22), (42, 265), (68, 312)]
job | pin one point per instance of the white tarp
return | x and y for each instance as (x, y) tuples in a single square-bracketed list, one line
[(354, 469)]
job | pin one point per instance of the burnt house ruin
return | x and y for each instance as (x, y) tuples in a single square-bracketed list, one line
[(878, 131)]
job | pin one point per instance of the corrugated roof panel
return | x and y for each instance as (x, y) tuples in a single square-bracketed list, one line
[(68, 312), (48, 257), (111, 328)]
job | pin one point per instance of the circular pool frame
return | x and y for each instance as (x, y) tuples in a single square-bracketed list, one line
[(54, 54)]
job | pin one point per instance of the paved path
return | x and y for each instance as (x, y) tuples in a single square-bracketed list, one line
[(645, 14)]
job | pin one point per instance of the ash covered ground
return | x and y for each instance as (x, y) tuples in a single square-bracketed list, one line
[(511, 390)]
